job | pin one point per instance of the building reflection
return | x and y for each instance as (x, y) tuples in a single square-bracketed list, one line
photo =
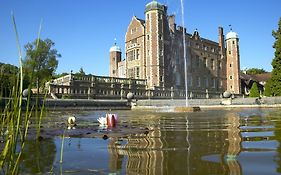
[(179, 145), (143, 152), (234, 144), (116, 158)]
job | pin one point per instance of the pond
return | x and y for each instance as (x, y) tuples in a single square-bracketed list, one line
[(228, 141)]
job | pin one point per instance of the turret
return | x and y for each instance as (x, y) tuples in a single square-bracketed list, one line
[(233, 63), (155, 16), (115, 58)]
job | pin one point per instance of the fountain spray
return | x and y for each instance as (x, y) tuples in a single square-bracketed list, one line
[(184, 54)]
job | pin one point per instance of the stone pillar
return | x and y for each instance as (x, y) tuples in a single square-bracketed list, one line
[(190, 95), (207, 93), (149, 94), (172, 93), (130, 84), (112, 89), (122, 91), (89, 92)]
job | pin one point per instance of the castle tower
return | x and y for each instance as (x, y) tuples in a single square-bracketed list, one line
[(155, 16), (115, 58), (233, 63)]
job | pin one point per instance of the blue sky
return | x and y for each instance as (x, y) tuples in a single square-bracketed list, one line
[(84, 31)]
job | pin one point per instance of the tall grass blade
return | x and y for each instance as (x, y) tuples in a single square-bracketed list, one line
[(61, 149)]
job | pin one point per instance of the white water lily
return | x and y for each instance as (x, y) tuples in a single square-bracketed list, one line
[(111, 118), (102, 121)]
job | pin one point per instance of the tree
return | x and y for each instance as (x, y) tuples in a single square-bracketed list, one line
[(267, 91), (41, 61), (253, 71), (8, 79), (81, 72), (60, 75), (275, 85), (254, 91)]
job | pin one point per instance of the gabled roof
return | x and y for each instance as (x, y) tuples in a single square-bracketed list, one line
[(141, 21), (256, 77), (262, 77)]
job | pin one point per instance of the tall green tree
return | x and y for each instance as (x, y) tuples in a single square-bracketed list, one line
[(254, 91), (275, 85), (8, 79), (267, 91), (41, 61)]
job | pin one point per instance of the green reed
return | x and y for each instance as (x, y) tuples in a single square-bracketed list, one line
[(14, 123), (62, 147)]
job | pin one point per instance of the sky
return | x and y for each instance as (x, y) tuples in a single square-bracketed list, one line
[(84, 31)]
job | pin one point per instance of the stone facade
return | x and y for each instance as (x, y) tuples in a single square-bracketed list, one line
[(154, 52)]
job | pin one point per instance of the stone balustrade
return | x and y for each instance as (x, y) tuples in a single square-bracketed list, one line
[(99, 87)]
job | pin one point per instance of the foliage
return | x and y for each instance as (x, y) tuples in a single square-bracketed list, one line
[(60, 75), (254, 91), (267, 90), (275, 85), (253, 71), (8, 68), (8, 79), (66, 96), (81, 72), (41, 61)]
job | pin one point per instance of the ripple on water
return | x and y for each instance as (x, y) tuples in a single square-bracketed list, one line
[(267, 145)]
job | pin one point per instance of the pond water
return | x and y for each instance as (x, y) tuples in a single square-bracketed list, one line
[(236, 141)]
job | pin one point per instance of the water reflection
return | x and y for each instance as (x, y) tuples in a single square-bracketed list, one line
[(116, 156), (38, 156), (259, 146), (244, 141), (234, 144), (277, 134), (184, 144)]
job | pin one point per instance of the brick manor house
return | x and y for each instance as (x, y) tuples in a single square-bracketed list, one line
[(153, 67), (154, 52)]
